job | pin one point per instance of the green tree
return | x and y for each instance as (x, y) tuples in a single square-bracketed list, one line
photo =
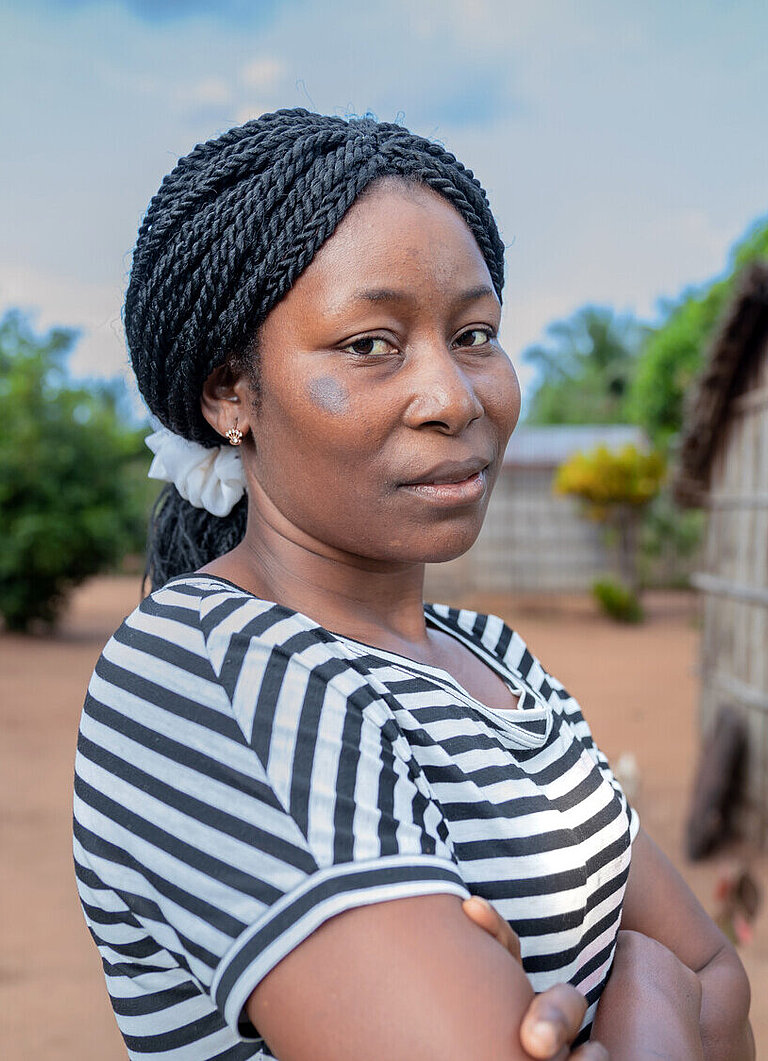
[(585, 368), (673, 353), (71, 499)]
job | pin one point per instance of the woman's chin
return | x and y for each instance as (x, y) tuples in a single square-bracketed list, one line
[(432, 548)]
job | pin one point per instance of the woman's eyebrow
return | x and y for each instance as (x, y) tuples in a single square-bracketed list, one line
[(386, 294), (474, 293)]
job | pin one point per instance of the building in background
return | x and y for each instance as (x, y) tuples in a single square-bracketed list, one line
[(724, 467), (533, 540)]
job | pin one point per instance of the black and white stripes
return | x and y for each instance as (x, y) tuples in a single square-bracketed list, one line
[(243, 775)]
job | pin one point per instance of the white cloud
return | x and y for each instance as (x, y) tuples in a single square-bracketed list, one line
[(208, 91), (591, 124), (92, 309), (478, 25), (695, 230), (262, 73)]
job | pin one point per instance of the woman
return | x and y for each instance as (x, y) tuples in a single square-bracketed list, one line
[(291, 774)]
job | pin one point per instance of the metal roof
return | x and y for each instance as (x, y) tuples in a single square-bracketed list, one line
[(551, 445)]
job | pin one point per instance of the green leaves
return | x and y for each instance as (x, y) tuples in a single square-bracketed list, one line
[(600, 367), (672, 359), (72, 499), (603, 478), (674, 353), (585, 368)]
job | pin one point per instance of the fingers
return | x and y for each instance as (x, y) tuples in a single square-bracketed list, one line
[(552, 1022), (554, 1017), (484, 916)]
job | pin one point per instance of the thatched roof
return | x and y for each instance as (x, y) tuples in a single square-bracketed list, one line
[(738, 340)]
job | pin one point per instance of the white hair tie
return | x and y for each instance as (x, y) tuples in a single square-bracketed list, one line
[(210, 478)]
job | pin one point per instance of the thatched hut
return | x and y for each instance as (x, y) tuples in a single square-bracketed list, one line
[(724, 467)]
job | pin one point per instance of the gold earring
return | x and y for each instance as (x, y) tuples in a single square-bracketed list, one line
[(235, 435)]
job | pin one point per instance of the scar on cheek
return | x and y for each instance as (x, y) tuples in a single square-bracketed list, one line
[(328, 394)]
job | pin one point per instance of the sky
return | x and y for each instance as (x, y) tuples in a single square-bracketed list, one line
[(623, 145)]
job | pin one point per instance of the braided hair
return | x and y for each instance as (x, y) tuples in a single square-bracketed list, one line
[(228, 233)]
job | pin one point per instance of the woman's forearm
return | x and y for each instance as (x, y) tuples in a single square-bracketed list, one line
[(725, 1029), (658, 903), (651, 1005)]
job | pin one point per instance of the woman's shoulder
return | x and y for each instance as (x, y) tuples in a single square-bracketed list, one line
[(205, 650), (488, 630), (201, 622), (205, 602), (179, 613)]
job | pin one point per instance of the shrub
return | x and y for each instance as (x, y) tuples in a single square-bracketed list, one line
[(614, 488), (71, 503), (617, 601), (603, 478), (670, 540)]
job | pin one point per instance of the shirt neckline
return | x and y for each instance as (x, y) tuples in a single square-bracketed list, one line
[(511, 719)]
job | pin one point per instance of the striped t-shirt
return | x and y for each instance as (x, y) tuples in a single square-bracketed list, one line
[(243, 775)]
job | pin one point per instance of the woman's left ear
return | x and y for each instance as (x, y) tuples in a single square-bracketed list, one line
[(224, 401)]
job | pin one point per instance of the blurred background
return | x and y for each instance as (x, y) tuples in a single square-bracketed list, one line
[(624, 149)]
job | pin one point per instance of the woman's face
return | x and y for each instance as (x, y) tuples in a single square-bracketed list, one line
[(385, 401)]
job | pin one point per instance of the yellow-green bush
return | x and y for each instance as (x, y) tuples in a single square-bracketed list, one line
[(602, 478)]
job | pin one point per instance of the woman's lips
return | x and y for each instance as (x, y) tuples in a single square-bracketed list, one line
[(465, 492)]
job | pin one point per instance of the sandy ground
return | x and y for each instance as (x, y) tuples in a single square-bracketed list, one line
[(637, 685)]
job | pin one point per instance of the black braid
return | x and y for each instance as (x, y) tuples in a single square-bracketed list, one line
[(225, 238), (191, 537)]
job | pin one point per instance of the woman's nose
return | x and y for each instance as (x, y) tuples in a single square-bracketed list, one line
[(442, 395)]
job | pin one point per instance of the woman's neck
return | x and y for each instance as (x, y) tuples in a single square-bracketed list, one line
[(377, 602)]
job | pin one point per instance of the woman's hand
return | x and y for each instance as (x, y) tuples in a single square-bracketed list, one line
[(554, 1017), (651, 1005), (658, 903)]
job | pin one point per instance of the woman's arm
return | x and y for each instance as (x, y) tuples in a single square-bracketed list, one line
[(553, 1018), (659, 904), (649, 1009), (407, 978), (651, 1005)]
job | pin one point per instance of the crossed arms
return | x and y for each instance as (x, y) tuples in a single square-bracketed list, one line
[(421, 978)]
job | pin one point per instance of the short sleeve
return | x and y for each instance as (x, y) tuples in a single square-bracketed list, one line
[(353, 797), (237, 794)]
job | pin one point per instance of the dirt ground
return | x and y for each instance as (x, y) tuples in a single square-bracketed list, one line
[(637, 685)]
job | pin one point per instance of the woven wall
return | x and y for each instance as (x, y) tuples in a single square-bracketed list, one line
[(532, 541), (734, 659)]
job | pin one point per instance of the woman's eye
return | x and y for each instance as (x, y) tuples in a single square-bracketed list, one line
[(474, 337), (370, 346)]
